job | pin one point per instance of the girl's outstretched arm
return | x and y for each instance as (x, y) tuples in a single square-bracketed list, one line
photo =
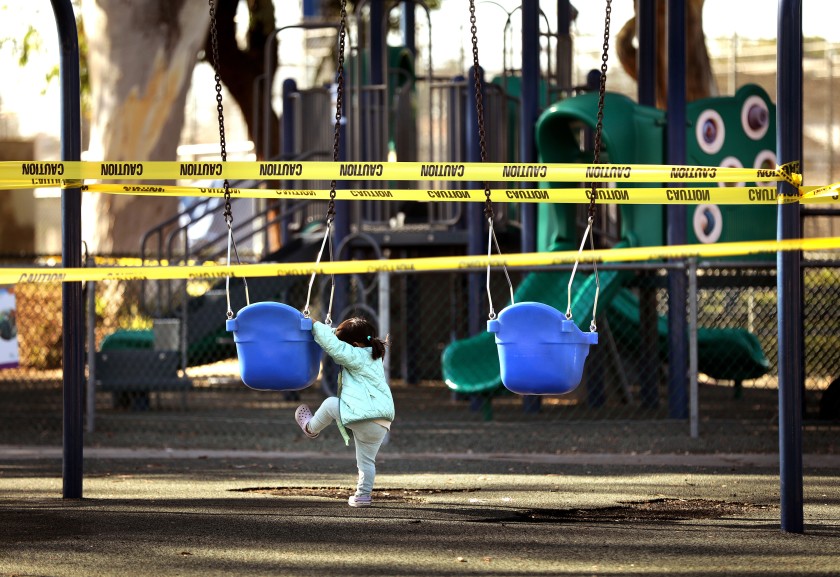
[(342, 353)]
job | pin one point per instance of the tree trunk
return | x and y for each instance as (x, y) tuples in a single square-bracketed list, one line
[(699, 78), (141, 56)]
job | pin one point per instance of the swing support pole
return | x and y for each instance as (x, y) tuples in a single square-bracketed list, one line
[(530, 106), (676, 221), (789, 268), (72, 303)]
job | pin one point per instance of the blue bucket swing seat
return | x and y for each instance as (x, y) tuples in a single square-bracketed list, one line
[(275, 347), (274, 342), (541, 350)]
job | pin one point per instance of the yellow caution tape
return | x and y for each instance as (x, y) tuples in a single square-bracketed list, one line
[(68, 174), (55, 275), (710, 195), (791, 173), (830, 193), (33, 183), (695, 195), (38, 172)]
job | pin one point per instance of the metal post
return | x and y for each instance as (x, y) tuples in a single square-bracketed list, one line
[(529, 98), (646, 60), (311, 9), (677, 294), (372, 94), (530, 103), (829, 56), (649, 364), (288, 143), (91, 356), (789, 271), (564, 44), (72, 303), (384, 282), (377, 42), (409, 27), (269, 51), (289, 92), (694, 397), (341, 224)]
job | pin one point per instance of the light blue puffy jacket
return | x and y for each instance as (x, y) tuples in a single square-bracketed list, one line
[(363, 391)]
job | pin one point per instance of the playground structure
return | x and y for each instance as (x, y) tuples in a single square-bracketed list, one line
[(466, 233), (633, 134), (403, 229)]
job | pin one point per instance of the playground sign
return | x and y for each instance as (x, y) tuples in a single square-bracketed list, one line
[(9, 355)]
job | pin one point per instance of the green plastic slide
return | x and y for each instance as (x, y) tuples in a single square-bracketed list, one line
[(732, 354)]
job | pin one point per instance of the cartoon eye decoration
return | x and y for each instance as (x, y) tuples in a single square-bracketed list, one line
[(755, 117), (765, 160), (710, 131), (708, 223), (731, 162)]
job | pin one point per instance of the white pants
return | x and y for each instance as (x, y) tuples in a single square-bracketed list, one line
[(367, 436)]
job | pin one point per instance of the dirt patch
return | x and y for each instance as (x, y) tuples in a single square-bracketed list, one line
[(650, 510), (653, 510), (394, 495)]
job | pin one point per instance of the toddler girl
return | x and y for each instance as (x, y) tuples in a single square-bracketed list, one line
[(364, 403)]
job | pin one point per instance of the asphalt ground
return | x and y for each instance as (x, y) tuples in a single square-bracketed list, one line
[(230, 486), (199, 512)]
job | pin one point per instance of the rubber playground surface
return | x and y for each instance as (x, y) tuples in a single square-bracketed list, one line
[(221, 512)]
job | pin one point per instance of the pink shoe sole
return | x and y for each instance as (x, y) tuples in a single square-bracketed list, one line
[(303, 415)]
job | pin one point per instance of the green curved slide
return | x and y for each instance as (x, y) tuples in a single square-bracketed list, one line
[(723, 353)]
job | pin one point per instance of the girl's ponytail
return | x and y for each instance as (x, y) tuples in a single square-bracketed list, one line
[(378, 346)]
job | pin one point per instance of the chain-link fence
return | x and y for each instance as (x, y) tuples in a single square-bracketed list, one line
[(175, 382)]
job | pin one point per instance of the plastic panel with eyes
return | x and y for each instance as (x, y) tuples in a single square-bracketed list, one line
[(734, 131)]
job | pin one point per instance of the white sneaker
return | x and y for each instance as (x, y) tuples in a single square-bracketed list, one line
[(359, 501), (303, 415)]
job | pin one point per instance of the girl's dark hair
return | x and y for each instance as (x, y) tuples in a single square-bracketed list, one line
[(357, 330)]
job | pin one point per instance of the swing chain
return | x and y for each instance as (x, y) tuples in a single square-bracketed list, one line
[(339, 103), (590, 221), (602, 89), (482, 142), (330, 216), (479, 108), (228, 214), (214, 42)]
